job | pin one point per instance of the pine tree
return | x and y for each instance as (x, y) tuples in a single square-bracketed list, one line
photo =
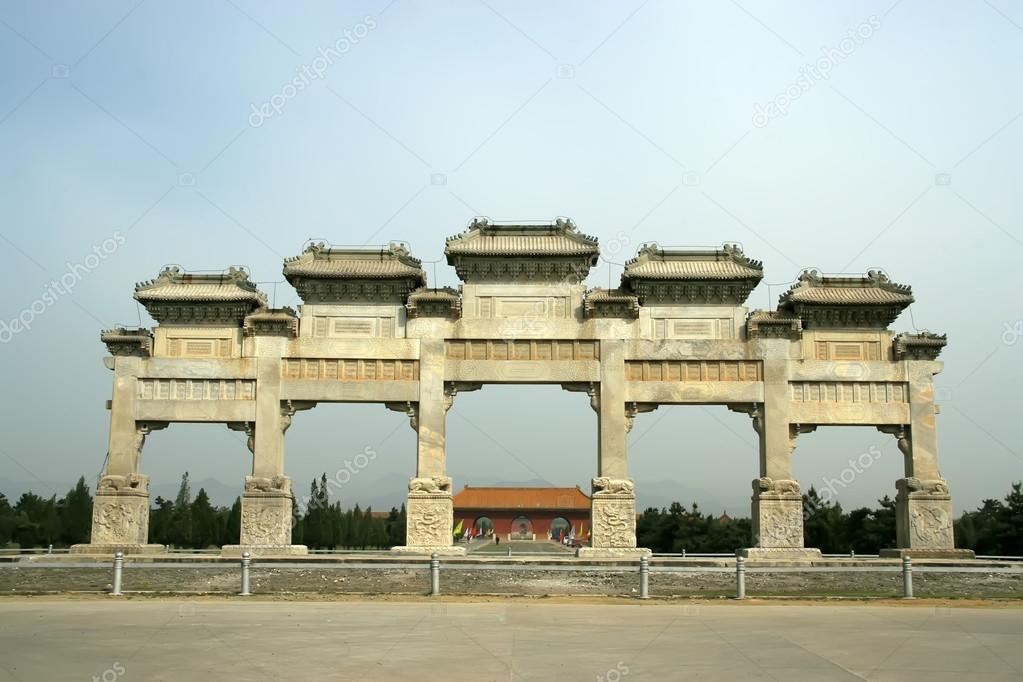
[(233, 529), (76, 514), (181, 516), (7, 521), (204, 521)]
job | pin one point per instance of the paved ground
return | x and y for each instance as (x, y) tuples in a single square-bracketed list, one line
[(42, 639)]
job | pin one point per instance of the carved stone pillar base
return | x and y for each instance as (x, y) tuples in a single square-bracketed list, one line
[(120, 517), (612, 520), (266, 519), (778, 521), (430, 518), (923, 520)]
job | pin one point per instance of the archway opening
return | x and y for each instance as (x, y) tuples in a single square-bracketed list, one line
[(561, 529), (693, 466), (350, 465), (196, 477), (517, 435), (847, 475), (483, 527), (522, 528)]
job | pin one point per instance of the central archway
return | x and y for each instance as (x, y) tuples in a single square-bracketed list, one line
[(522, 528)]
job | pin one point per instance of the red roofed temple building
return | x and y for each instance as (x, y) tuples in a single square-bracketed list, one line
[(523, 513)]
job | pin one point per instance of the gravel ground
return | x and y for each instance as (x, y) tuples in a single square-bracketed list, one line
[(339, 579)]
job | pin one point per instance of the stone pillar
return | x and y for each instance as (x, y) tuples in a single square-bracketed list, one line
[(267, 499), (613, 500), (777, 503), (923, 504), (429, 511), (120, 509)]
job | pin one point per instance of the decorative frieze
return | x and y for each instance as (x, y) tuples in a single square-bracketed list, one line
[(538, 349), (847, 350), (196, 389), (694, 370), (334, 369), (850, 392)]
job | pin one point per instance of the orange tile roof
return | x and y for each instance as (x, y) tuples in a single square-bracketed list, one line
[(472, 497)]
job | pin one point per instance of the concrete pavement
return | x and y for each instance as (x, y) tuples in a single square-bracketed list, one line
[(109, 640)]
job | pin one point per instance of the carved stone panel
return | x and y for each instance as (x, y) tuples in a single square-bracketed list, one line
[(850, 392), (120, 511), (923, 514), (196, 389), (430, 520), (334, 369), (534, 349), (613, 519), (266, 519), (777, 514), (694, 370)]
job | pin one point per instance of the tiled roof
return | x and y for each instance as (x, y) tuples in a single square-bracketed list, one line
[(727, 263), (174, 285), (472, 497), (700, 270), (558, 238), (874, 289), (609, 295), (321, 262), (426, 294)]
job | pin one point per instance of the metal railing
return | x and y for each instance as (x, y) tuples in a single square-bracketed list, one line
[(643, 569)]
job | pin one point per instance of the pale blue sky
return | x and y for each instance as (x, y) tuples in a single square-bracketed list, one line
[(633, 118)]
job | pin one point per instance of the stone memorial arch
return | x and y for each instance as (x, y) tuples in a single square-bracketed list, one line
[(676, 331)]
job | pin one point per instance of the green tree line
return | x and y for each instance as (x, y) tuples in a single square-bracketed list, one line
[(996, 527)]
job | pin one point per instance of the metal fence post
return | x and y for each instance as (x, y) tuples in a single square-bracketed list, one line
[(118, 571), (644, 578), (683, 552), (246, 565), (907, 577), (852, 553), (49, 550), (434, 575), (740, 577)]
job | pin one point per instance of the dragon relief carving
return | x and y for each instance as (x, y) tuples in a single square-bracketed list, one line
[(114, 522), (429, 524), (930, 526), (614, 524), (265, 525), (780, 527)]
